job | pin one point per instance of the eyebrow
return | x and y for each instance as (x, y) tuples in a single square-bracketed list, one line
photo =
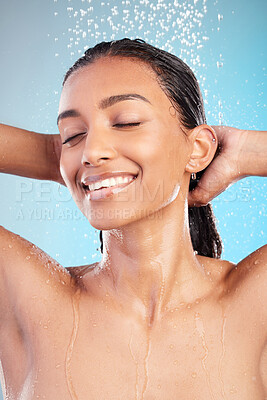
[(67, 114), (105, 103), (109, 101)]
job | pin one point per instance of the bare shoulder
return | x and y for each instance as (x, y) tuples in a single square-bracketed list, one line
[(252, 270), (244, 283), (26, 271), (17, 252), (249, 279), (256, 260), (217, 268)]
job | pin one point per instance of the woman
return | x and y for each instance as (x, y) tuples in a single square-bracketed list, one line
[(161, 316)]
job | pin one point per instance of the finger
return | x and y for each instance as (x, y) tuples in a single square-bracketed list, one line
[(214, 181), (202, 195)]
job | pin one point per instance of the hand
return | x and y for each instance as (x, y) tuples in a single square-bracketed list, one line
[(224, 170)]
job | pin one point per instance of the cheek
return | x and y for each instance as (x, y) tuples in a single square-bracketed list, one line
[(68, 167), (175, 160), (164, 157), (165, 167)]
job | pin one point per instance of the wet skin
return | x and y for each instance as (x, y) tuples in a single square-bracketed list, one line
[(152, 320)]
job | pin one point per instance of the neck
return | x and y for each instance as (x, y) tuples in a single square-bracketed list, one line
[(151, 265)]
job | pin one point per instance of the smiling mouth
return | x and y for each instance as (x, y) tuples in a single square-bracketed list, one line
[(107, 187)]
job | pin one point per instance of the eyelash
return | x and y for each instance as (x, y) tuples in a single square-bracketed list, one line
[(128, 124), (116, 125), (73, 137)]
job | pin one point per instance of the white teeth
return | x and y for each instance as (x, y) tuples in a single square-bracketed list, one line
[(121, 180), (110, 182), (97, 185), (103, 183)]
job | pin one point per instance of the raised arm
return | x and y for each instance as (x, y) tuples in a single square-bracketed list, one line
[(29, 154), (242, 153), (23, 267), (253, 154)]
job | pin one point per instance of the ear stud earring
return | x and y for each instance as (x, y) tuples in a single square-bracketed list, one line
[(193, 176)]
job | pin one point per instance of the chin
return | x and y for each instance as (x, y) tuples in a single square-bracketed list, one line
[(105, 224), (115, 218)]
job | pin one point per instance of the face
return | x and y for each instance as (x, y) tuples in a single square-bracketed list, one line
[(124, 151)]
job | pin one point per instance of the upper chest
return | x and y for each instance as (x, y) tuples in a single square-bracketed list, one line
[(208, 349)]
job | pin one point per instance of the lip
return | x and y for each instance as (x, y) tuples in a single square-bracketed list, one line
[(106, 175), (106, 193)]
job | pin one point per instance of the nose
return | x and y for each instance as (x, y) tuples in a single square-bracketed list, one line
[(98, 148)]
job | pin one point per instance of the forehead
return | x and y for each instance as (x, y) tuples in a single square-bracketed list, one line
[(112, 76)]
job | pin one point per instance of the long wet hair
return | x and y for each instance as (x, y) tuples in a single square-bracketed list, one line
[(179, 83)]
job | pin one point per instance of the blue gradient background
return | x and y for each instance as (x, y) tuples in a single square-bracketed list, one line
[(41, 39)]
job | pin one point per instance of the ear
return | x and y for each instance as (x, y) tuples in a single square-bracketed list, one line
[(204, 144)]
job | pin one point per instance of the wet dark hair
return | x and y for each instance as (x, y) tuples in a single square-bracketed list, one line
[(181, 87)]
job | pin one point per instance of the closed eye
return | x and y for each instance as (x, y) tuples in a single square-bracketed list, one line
[(73, 137), (127, 124)]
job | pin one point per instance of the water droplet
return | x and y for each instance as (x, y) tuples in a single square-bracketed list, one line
[(75, 306), (10, 246), (58, 366), (27, 258), (171, 346), (175, 362), (193, 374), (233, 390), (159, 386)]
